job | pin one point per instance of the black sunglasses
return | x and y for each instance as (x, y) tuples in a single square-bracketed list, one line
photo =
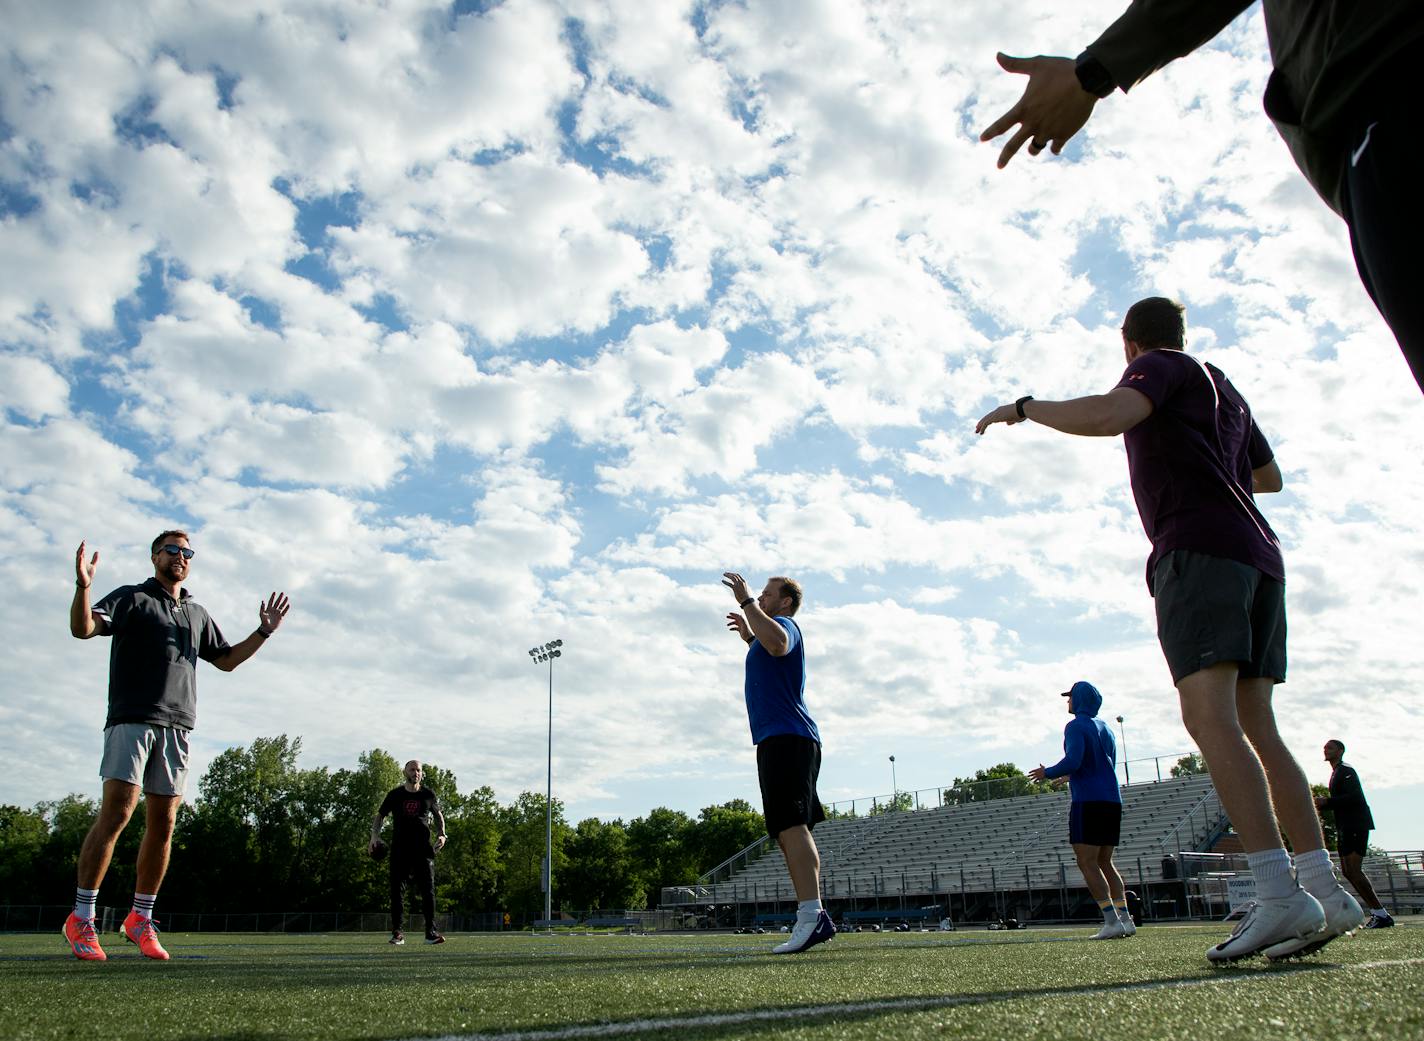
[(173, 551)]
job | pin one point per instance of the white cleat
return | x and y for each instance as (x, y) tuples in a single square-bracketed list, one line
[(1270, 923), (807, 934), (1342, 917), (1112, 931)]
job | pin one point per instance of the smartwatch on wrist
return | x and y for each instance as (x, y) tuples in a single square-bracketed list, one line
[(748, 600), (1019, 404), (1093, 76)]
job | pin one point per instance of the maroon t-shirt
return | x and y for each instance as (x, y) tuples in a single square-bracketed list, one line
[(1190, 464)]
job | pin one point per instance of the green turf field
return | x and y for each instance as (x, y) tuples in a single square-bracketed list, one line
[(1039, 983)]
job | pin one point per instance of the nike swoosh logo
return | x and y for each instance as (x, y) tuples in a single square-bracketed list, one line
[(1355, 155)]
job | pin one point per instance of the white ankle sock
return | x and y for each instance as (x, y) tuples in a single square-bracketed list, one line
[(143, 904), (808, 908)]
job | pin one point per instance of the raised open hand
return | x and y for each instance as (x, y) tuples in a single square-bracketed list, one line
[(270, 614), (84, 572)]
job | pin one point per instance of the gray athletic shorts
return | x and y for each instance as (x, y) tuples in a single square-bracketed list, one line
[(1212, 610), (148, 755)]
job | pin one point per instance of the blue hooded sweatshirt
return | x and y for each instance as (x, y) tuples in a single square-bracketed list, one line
[(1089, 751)]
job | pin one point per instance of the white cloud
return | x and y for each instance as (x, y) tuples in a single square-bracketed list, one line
[(474, 331)]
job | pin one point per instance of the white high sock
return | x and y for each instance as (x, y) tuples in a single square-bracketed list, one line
[(1315, 873), (84, 900), (1271, 868), (143, 904)]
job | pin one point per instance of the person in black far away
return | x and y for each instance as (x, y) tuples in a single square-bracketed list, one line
[(412, 852), (1353, 824)]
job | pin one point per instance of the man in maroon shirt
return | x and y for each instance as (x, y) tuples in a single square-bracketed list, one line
[(1195, 456)]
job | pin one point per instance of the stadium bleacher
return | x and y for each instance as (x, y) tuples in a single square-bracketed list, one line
[(978, 847), (982, 861)]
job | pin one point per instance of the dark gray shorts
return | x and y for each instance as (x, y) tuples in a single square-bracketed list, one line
[(149, 756), (1212, 610)]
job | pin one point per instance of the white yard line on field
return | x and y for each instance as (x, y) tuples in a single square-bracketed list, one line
[(631, 1027)]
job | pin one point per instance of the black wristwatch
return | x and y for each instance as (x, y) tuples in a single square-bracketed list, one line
[(1019, 404), (748, 600), (1093, 77)]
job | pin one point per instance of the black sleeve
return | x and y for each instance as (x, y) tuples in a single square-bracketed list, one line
[(1258, 449), (1347, 793), (114, 608), (211, 644), (388, 805), (1152, 33)]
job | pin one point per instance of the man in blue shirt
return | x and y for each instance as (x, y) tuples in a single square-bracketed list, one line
[(787, 742), (1095, 815)]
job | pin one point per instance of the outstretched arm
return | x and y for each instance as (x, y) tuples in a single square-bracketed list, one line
[(1147, 36), (1097, 415), (269, 617)]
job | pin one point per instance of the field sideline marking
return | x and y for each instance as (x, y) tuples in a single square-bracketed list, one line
[(722, 1019)]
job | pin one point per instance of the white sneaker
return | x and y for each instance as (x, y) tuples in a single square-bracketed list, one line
[(1129, 928), (1343, 916), (1112, 931), (808, 933), (1268, 923)]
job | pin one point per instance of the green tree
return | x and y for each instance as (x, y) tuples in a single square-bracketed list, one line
[(23, 837), (521, 847), (1002, 781), (722, 831), (897, 803), (469, 869), (661, 852), (600, 871), (1188, 765)]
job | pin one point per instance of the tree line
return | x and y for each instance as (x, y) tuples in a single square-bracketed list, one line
[(262, 833)]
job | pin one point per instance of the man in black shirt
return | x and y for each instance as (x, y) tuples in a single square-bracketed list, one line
[(410, 808), (159, 632), (1353, 824)]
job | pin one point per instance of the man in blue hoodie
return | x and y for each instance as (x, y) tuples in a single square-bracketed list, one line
[(1095, 817)]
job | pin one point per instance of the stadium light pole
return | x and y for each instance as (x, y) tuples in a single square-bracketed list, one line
[(1126, 770), (547, 653), (894, 785)]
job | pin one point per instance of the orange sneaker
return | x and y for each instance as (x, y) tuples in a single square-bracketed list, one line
[(140, 930), (82, 939)]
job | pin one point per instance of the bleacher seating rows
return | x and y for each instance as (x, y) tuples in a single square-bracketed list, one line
[(981, 846)]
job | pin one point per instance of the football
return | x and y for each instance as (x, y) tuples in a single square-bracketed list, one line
[(379, 850)]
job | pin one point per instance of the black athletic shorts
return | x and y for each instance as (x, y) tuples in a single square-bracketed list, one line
[(1348, 842), (1095, 823), (787, 767), (1212, 610)]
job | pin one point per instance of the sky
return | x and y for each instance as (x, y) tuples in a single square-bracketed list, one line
[(476, 326)]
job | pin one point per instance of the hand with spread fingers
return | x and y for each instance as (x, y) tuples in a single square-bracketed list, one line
[(738, 625), (1053, 108), (270, 614), (737, 584)]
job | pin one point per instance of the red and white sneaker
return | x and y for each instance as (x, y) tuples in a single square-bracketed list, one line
[(82, 939), (142, 931)]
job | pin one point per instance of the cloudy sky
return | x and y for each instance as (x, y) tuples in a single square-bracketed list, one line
[(475, 326)]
